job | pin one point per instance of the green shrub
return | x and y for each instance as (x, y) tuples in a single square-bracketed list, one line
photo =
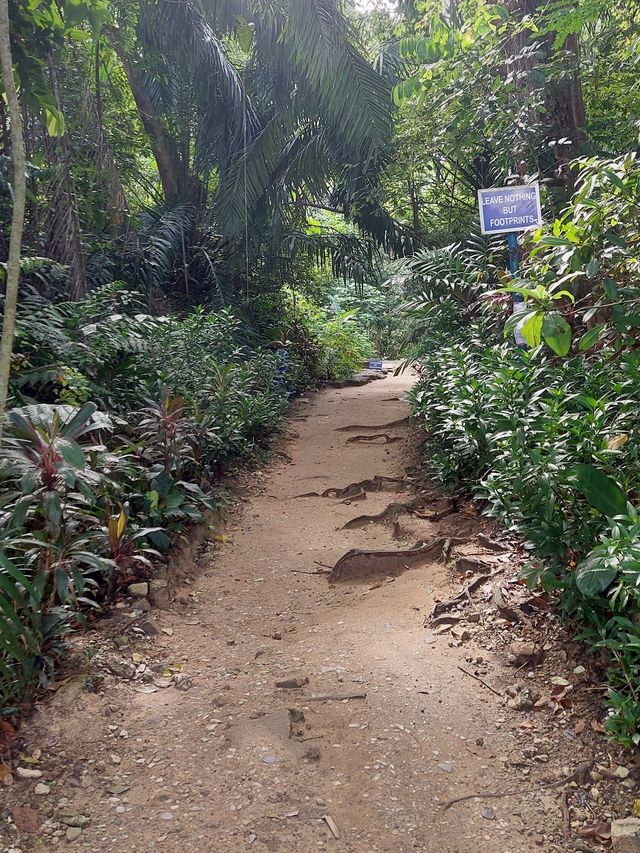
[(124, 422)]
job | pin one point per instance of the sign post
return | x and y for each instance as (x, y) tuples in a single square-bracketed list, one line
[(510, 210)]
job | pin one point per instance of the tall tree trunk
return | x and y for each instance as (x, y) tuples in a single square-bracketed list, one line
[(565, 108), (415, 207), (62, 226), (163, 145), (564, 115), (17, 218), (111, 185)]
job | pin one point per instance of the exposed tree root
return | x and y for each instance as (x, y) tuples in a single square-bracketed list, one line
[(354, 427), (471, 564), (357, 564), (391, 513), (491, 544), (388, 439), (437, 516), (360, 496), (355, 490), (511, 614)]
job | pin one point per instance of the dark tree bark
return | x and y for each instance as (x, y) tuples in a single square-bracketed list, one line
[(415, 207), (564, 115), (163, 146)]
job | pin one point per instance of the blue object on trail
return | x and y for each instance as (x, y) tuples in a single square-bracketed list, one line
[(374, 364)]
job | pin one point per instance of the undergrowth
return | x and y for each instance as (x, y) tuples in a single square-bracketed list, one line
[(122, 423), (547, 438)]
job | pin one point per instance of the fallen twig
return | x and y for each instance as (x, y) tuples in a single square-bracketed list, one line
[(332, 825), (316, 572), (335, 698), (579, 775), (566, 817), (477, 678), (443, 606)]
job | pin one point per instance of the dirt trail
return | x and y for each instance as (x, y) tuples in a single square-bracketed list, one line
[(213, 767)]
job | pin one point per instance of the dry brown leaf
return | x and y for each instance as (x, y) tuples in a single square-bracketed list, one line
[(579, 727), (601, 831), (597, 726)]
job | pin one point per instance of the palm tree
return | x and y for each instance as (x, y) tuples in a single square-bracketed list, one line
[(262, 106)]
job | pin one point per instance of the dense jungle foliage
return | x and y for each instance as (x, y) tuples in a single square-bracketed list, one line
[(545, 436), (228, 202)]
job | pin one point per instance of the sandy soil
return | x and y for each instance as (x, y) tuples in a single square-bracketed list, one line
[(223, 765)]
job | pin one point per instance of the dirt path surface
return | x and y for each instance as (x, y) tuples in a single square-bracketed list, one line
[(207, 753)]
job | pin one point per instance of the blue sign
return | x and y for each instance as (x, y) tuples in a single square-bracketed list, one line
[(372, 364), (504, 209)]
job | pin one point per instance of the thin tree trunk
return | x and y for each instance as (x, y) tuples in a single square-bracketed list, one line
[(17, 218), (415, 207), (64, 240)]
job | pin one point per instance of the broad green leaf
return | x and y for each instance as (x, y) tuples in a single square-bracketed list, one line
[(610, 288), (79, 423), (602, 492), (593, 576), (160, 539), (71, 452), (55, 121), (531, 329), (244, 34), (52, 508), (593, 268), (557, 333), (590, 338)]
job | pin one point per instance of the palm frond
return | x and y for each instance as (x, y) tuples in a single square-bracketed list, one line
[(178, 30), (349, 95)]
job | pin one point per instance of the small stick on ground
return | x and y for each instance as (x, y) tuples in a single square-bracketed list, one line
[(316, 572), (336, 698), (566, 818), (463, 595), (579, 775), (484, 683)]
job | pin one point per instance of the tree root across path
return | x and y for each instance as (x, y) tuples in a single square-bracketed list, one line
[(464, 595), (357, 564), (379, 483), (369, 439), (354, 427), (391, 513)]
